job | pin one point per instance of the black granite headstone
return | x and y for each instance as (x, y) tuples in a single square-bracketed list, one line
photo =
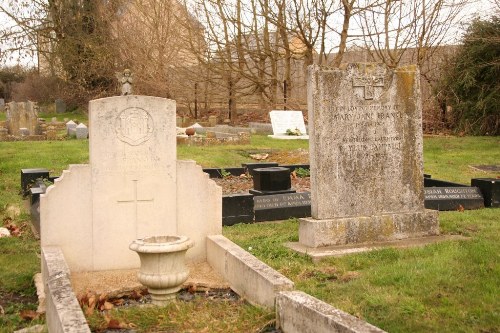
[(282, 206), (29, 176), (250, 167), (452, 198), (274, 180), (490, 188), (237, 208)]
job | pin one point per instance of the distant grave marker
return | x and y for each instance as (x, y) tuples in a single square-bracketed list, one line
[(283, 121)]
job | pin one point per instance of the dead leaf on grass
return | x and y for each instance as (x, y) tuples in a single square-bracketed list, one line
[(106, 306), (259, 156), (460, 208), (29, 315)]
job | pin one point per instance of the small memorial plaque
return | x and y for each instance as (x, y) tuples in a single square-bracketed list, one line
[(451, 198), (282, 206)]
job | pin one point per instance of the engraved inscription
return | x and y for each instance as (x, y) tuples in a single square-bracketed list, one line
[(134, 126), (450, 193), (282, 201)]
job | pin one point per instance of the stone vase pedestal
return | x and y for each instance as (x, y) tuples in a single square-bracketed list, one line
[(163, 268)]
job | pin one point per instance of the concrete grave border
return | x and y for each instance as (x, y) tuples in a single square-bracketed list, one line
[(253, 280)]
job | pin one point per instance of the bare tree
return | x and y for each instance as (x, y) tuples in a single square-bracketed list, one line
[(392, 28)]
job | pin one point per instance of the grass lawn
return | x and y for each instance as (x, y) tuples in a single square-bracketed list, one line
[(446, 287)]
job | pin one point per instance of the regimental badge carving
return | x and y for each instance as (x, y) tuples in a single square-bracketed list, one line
[(370, 78), (134, 126)]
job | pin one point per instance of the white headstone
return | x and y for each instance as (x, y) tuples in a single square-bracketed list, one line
[(134, 187), (282, 121), (70, 125), (81, 131)]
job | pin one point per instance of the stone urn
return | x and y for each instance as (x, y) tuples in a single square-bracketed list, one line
[(163, 269)]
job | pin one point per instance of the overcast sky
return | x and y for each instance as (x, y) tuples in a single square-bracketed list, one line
[(475, 8)]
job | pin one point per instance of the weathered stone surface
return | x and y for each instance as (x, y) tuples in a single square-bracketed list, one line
[(22, 115), (51, 133), (63, 311), (3, 133), (248, 276), (362, 229), (298, 312), (366, 153)]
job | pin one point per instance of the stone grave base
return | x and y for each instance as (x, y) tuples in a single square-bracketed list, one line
[(319, 253), (116, 282), (361, 229), (290, 137)]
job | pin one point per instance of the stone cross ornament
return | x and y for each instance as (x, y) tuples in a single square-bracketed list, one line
[(368, 79)]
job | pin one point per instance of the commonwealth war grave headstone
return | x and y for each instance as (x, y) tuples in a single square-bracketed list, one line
[(134, 187), (366, 156)]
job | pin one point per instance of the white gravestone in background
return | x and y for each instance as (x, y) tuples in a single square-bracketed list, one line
[(134, 187), (287, 120)]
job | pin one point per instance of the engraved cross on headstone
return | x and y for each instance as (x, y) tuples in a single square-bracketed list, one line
[(368, 83), (136, 200)]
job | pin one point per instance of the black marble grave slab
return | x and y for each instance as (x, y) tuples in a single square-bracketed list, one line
[(282, 206), (250, 167), (218, 173), (430, 182), (237, 208), (29, 176), (452, 198), (490, 188)]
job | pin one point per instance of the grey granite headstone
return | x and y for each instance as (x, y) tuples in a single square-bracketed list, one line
[(60, 106), (365, 156), (2, 104), (82, 132)]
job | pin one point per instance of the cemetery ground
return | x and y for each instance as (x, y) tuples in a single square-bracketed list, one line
[(451, 286)]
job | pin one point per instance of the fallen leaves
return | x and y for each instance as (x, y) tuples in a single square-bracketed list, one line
[(91, 302), (29, 315), (14, 229), (259, 157)]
